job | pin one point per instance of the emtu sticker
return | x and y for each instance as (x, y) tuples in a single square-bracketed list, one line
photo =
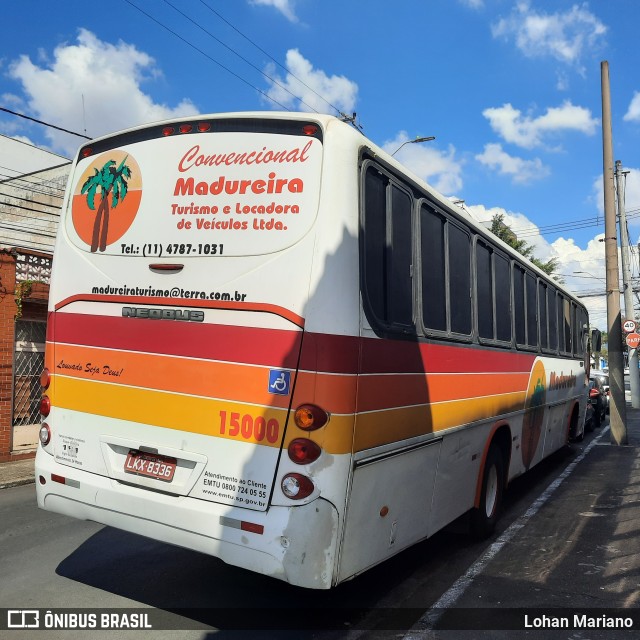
[(279, 382), (106, 199)]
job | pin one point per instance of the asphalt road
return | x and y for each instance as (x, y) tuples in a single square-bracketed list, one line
[(51, 561)]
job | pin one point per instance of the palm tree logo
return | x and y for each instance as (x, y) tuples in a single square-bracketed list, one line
[(109, 181)]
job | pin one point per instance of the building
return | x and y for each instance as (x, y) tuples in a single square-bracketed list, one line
[(32, 183)]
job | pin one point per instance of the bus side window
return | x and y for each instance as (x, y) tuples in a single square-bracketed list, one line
[(387, 250), (459, 245), (519, 308), (434, 291), (399, 283), (484, 291), (503, 298)]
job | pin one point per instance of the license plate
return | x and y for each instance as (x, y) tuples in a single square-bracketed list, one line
[(150, 465)]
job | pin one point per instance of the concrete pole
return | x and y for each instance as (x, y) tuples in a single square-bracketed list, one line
[(634, 374), (618, 406)]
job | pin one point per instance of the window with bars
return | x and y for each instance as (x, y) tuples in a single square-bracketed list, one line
[(30, 339)]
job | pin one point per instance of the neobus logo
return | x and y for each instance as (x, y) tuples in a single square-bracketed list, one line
[(186, 315)]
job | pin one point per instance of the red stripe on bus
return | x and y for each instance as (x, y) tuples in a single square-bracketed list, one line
[(249, 345)]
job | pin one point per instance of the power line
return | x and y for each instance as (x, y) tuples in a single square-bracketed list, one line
[(205, 54), (269, 56), (46, 124), (253, 66), (22, 215)]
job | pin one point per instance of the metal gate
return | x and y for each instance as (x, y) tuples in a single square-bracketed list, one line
[(29, 362)]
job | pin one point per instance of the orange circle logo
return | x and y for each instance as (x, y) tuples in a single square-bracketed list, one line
[(106, 199), (533, 413)]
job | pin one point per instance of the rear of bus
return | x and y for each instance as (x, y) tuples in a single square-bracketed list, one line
[(185, 398)]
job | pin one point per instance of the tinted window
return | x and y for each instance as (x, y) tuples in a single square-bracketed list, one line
[(553, 319), (518, 305), (387, 249), (375, 206), (503, 298), (542, 314), (484, 291), (434, 292), (459, 280), (532, 320), (399, 287)]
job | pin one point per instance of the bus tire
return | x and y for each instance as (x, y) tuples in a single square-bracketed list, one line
[(485, 516)]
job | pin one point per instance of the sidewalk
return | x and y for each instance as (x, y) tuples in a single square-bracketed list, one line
[(13, 474)]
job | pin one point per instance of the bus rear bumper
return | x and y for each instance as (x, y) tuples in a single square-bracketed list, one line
[(297, 544)]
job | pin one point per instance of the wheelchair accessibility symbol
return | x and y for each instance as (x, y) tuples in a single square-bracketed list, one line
[(279, 382)]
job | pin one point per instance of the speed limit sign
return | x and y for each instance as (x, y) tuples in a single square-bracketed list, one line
[(629, 326)]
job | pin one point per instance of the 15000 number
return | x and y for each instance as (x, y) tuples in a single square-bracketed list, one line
[(250, 428)]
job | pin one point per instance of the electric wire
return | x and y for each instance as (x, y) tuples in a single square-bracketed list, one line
[(46, 124), (253, 66), (269, 56)]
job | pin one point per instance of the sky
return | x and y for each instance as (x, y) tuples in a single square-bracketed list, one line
[(510, 90)]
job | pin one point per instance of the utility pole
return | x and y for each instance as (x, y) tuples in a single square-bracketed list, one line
[(618, 407), (634, 374)]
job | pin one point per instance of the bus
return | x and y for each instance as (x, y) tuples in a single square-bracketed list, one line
[(269, 342)]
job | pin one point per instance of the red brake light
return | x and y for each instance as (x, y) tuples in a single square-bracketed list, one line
[(86, 152), (310, 417), (594, 393), (45, 406), (310, 129), (185, 128), (167, 131), (204, 126), (45, 378), (303, 451), (296, 486)]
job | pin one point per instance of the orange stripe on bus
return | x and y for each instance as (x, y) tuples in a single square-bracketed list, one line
[(222, 380)]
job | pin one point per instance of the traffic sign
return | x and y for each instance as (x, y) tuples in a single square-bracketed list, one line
[(629, 326), (633, 340)]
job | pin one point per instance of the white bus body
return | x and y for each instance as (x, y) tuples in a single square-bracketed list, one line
[(214, 275)]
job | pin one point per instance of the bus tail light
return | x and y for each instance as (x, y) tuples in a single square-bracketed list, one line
[(45, 434), (303, 451), (45, 406), (310, 417), (296, 486), (310, 129), (45, 378)]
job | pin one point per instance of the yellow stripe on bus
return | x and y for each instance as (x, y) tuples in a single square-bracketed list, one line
[(263, 425)]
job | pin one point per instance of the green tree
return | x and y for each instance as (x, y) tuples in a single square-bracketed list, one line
[(109, 181), (504, 232)]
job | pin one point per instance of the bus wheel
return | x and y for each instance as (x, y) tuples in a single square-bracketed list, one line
[(485, 516)]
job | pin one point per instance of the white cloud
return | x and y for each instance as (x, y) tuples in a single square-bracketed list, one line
[(473, 4), (308, 89), (633, 113), (521, 171), (439, 168), (285, 7), (529, 132), (106, 77), (563, 36)]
